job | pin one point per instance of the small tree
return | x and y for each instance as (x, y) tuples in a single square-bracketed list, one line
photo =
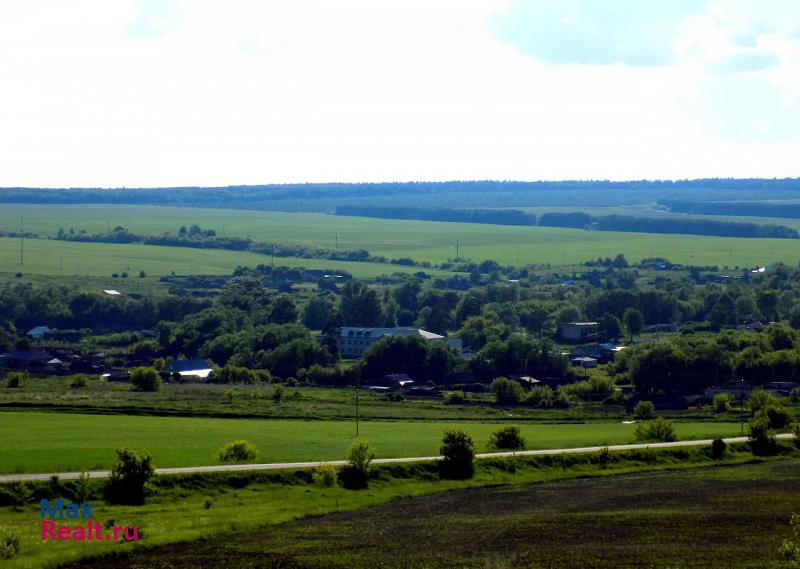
[(634, 322), (762, 439), (146, 379), (718, 447), (791, 547), (722, 402), (359, 456), (237, 451), (507, 438), (760, 400), (9, 544), (659, 429), (603, 458), (458, 455), (16, 379), (644, 410), (506, 392), (129, 476), (779, 417)]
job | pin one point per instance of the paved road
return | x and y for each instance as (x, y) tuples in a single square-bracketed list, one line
[(5, 479)]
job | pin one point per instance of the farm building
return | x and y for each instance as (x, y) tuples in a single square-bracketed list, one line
[(189, 368), (352, 342), (577, 331)]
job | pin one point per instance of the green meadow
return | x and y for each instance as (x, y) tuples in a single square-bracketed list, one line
[(420, 240), (45, 442), (63, 258)]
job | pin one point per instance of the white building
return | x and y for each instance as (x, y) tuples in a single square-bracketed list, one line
[(352, 341), (577, 331)]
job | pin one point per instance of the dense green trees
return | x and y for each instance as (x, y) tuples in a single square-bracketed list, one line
[(413, 355)]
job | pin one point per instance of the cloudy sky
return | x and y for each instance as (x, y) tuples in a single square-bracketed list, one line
[(170, 92)]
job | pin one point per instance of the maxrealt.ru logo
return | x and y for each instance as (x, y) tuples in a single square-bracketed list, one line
[(89, 530)]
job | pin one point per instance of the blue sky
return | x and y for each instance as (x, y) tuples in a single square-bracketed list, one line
[(176, 92)]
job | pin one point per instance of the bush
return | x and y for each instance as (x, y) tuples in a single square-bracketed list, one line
[(541, 396), (722, 402), (146, 379), (760, 400), (458, 455), (603, 458), (277, 393), (794, 395), (129, 477), (718, 447), (237, 451), (16, 379), (9, 544), (659, 429), (324, 475), (506, 392), (791, 547), (779, 417), (235, 374), (454, 397), (762, 439), (644, 410), (359, 455), (78, 382), (507, 438)]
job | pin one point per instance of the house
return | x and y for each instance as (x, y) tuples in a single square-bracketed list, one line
[(394, 381), (38, 332), (740, 390), (24, 359), (69, 336), (584, 362), (352, 341), (577, 331), (525, 380), (189, 368), (780, 388)]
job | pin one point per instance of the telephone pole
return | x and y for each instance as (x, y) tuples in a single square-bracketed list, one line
[(336, 242), (457, 245)]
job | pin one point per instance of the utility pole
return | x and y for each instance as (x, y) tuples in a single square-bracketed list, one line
[(336, 242), (357, 413), (108, 226), (456, 250)]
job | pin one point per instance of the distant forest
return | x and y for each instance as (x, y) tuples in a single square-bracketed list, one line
[(739, 208), (580, 220), (447, 195)]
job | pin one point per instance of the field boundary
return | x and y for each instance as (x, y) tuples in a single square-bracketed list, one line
[(100, 474)]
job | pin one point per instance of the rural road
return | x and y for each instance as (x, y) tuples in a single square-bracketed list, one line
[(8, 478)]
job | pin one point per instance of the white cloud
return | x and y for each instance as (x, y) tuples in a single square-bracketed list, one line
[(200, 92)]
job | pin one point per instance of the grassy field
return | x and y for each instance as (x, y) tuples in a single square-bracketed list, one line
[(47, 442), (56, 258), (726, 518), (420, 240)]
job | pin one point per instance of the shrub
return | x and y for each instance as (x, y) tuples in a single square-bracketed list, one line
[(20, 494), (146, 379), (541, 396), (603, 458), (506, 392), (718, 447), (324, 475), (454, 397), (78, 382), (659, 429), (235, 374), (359, 455), (794, 395), (458, 455), (722, 402), (237, 451), (644, 410), (760, 400), (779, 417), (762, 439), (395, 396), (791, 547), (9, 544), (16, 379), (129, 477), (278, 393), (507, 438)]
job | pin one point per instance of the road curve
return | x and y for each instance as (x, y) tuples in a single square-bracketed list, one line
[(9, 478)]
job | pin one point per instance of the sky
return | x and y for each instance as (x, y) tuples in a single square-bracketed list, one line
[(138, 93)]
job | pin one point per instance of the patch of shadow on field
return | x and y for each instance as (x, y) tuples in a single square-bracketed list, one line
[(731, 517)]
